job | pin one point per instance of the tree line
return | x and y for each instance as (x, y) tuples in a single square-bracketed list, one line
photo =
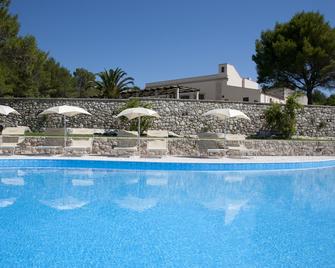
[(298, 54), (27, 71)]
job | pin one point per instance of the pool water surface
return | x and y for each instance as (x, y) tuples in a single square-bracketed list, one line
[(121, 218)]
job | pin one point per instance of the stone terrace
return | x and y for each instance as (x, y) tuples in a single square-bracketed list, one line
[(180, 116)]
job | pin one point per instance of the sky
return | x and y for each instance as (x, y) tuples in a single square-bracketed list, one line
[(154, 40)]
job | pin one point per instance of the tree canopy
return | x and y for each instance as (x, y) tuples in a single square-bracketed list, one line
[(112, 82), (299, 54), (84, 82), (27, 71), (321, 99)]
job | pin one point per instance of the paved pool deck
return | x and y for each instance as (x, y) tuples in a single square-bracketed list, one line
[(176, 159)]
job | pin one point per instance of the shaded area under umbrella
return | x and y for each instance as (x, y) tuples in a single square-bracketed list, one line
[(138, 112), (225, 114), (65, 110)]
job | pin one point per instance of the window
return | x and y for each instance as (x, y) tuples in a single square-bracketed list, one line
[(222, 69), (246, 99), (256, 101), (201, 96), (185, 97)]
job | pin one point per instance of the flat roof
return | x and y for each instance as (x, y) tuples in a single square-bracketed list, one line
[(156, 91)]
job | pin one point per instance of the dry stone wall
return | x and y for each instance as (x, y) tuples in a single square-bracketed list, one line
[(180, 116), (189, 148)]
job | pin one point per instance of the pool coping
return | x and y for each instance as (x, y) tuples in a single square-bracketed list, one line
[(168, 163)]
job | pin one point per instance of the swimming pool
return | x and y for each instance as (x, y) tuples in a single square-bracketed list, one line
[(69, 216)]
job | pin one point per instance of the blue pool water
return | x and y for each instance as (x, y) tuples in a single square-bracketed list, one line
[(65, 217)]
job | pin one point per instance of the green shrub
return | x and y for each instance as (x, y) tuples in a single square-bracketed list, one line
[(282, 119)]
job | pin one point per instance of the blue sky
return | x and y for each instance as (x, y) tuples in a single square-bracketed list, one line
[(154, 39)]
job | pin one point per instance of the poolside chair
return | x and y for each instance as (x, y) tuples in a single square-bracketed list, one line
[(209, 144), (15, 131), (236, 146), (234, 137), (79, 146), (240, 151), (127, 144), (53, 142), (159, 145), (11, 138), (81, 131)]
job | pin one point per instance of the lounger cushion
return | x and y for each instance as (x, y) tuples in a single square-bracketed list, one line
[(158, 133), (81, 131), (20, 130)]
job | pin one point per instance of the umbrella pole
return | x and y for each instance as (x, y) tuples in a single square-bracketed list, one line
[(138, 136), (225, 132), (64, 130)]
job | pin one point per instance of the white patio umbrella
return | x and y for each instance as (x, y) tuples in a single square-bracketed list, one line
[(6, 110), (225, 114), (65, 110), (138, 112)]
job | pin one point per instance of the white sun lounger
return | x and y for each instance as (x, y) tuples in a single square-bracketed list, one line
[(53, 142), (159, 144), (127, 142), (208, 144), (79, 146), (240, 151), (81, 131), (12, 137)]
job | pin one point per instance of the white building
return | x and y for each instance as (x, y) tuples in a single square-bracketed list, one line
[(226, 85)]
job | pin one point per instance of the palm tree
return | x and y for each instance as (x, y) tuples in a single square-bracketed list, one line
[(113, 82)]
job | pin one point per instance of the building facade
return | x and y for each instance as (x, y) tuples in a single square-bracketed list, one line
[(226, 85)]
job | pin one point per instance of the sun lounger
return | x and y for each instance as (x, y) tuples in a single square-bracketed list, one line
[(172, 134), (79, 146), (127, 142), (11, 138), (233, 137), (10, 143), (239, 151), (53, 142), (15, 131), (208, 144), (81, 131), (159, 144), (235, 145)]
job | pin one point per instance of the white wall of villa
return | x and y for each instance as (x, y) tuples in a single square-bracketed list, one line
[(234, 78), (269, 99), (226, 85)]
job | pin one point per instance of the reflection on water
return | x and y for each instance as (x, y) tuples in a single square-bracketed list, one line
[(13, 181), (316, 190), (233, 217), (81, 182), (136, 203), (66, 203), (231, 208), (226, 192), (7, 202)]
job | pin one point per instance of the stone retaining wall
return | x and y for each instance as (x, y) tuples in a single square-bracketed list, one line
[(188, 147), (180, 116)]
